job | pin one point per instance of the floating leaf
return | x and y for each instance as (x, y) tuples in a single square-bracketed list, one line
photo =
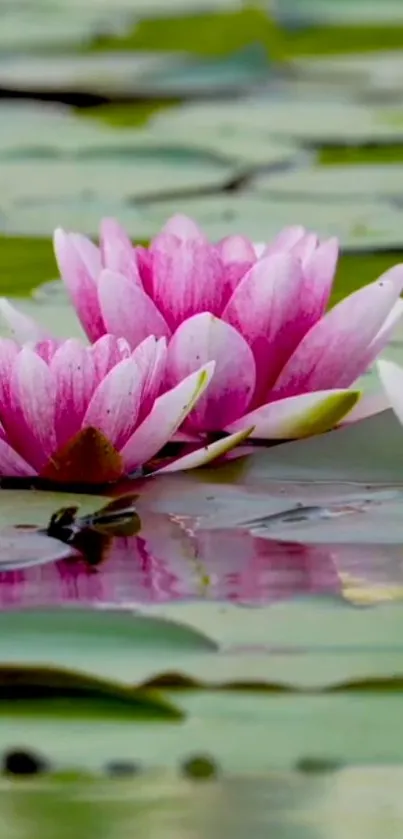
[(109, 645), (51, 692)]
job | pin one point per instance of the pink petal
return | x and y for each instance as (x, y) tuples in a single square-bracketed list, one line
[(107, 352), (117, 251), (183, 228), (8, 353), (77, 261), (150, 358), (144, 261), (305, 247), (23, 328), (236, 249), (334, 352), (285, 240), (114, 405), (384, 335), (319, 270), (237, 255), (47, 348), (298, 416), (88, 253), (391, 376), (394, 275), (270, 311), (12, 464), (205, 455), (29, 418), (188, 278), (167, 415), (127, 310), (75, 380), (204, 338), (259, 249)]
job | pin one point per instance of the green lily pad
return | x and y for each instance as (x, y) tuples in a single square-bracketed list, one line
[(104, 74), (377, 76), (361, 226), (283, 805), (111, 645), (299, 118), (120, 179), (344, 12), (237, 145), (49, 26), (335, 183), (222, 725), (50, 692), (367, 452), (35, 507)]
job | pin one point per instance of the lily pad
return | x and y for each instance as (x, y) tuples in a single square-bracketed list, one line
[(237, 143), (335, 801), (35, 507), (303, 119), (344, 12), (104, 74), (108, 645), (335, 183), (143, 174), (375, 75), (361, 226), (22, 548)]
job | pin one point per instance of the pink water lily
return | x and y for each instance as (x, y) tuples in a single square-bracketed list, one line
[(73, 413), (284, 364)]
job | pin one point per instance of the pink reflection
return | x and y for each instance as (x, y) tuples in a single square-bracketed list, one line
[(168, 561)]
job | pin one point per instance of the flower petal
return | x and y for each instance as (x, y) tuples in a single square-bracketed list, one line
[(23, 328), (107, 352), (118, 253), (8, 353), (167, 415), (77, 262), (150, 358), (188, 277), (205, 455), (305, 247), (29, 418), (391, 376), (285, 240), (369, 405), (12, 465), (114, 406), (385, 333), (205, 338), (127, 310), (183, 227), (46, 349), (298, 416), (334, 352), (75, 380), (270, 311), (237, 255), (319, 269)]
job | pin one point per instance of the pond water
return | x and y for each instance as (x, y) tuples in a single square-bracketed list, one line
[(242, 623)]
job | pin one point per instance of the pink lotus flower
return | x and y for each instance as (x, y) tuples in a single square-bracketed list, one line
[(92, 414), (283, 364)]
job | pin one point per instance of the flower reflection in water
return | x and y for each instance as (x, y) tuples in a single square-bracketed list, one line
[(169, 560)]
